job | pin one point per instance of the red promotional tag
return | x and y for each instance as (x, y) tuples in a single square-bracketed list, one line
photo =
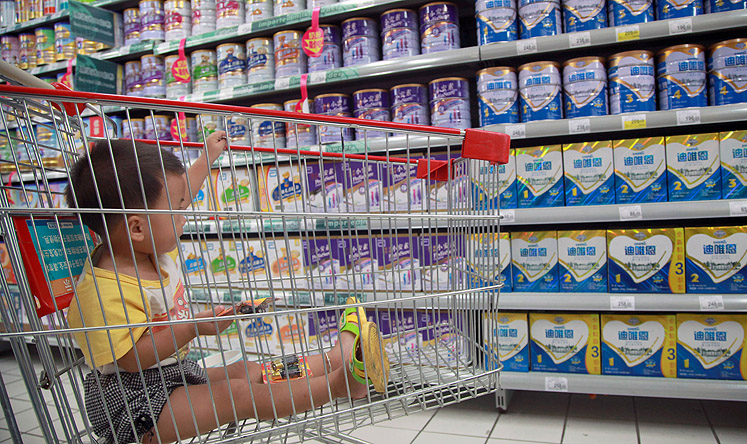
[(67, 79), (176, 127), (313, 40), (303, 105), (179, 69)]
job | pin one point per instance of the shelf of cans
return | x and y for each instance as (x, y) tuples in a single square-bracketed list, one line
[(674, 345), (19, 15)]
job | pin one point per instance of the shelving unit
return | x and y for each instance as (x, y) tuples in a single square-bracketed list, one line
[(644, 302)]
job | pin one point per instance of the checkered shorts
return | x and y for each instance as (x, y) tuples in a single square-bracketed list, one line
[(123, 413)]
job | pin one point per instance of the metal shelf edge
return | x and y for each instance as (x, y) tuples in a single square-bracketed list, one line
[(687, 302)]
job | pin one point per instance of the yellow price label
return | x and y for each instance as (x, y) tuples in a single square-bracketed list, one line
[(627, 33), (637, 121)]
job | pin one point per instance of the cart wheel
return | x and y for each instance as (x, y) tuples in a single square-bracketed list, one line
[(377, 364)]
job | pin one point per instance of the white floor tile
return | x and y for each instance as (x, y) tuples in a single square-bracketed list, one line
[(658, 433), (607, 407), (530, 427), (442, 438), (388, 435), (596, 430), (732, 435), (415, 421), (17, 390), (4, 435), (511, 441), (458, 421), (726, 413), (670, 411)]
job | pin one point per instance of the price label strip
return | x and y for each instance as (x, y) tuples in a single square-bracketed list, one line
[(688, 117), (516, 131), (579, 39), (632, 212), (711, 303), (738, 208), (528, 46), (681, 26), (556, 384), (579, 126), (628, 33), (622, 302), (634, 121), (508, 216)]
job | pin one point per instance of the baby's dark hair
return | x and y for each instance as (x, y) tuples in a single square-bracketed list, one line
[(146, 169)]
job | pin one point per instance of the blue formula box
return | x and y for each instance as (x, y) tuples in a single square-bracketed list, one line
[(534, 261), (639, 345), (716, 259), (486, 193), (640, 170), (539, 176), (589, 173), (733, 164), (646, 260), (711, 346), (506, 340), (582, 255), (565, 343), (694, 167)]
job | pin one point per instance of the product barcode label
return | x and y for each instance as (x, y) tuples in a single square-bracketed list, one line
[(631, 212), (738, 208), (688, 117), (556, 384), (681, 26), (508, 216), (711, 302), (626, 33), (579, 39), (516, 131), (282, 83), (527, 46), (622, 302), (634, 121), (579, 126)]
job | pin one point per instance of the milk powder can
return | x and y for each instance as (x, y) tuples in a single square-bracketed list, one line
[(231, 62), (410, 104), (497, 21), (27, 52), (585, 87), (11, 49), (133, 129), (258, 10), (449, 101), (133, 79), (333, 105), (131, 22), (178, 21), (290, 60), (158, 127), (727, 72), (584, 15), (260, 60), (629, 12), (152, 75), (204, 71), (266, 133), (288, 6), (175, 88), (439, 27), (64, 41), (228, 13), (682, 77), (399, 34), (669, 9), (540, 91), (296, 134), (712, 6), (360, 41), (631, 82), (539, 18), (152, 20), (45, 52), (203, 16), (371, 104), (498, 95), (331, 56)]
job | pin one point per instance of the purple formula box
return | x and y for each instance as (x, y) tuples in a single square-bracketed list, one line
[(324, 182), (359, 273), (442, 262), (325, 261), (362, 186), (397, 263)]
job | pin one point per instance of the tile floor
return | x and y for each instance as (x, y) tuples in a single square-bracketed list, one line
[(533, 417)]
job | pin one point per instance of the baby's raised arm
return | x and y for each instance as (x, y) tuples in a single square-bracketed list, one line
[(216, 143)]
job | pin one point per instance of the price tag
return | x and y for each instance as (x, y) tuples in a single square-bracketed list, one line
[(627, 33), (681, 26), (711, 303), (282, 83), (688, 117), (622, 302), (318, 77), (508, 216), (528, 46), (579, 126), (579, 39), (556, 384), (516, 131), (738, 208), (632, 212), (634, 121), (246, 28)]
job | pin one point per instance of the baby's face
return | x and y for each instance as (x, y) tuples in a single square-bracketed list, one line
[(168, 228)]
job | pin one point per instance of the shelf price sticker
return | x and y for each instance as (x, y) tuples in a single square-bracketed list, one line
[(738, 208), (634, 121), (556, 384), (508, 216), (627, 33), (579, 126), (622, 302), (711, 302), (688, 117), (681, 26), (282, 83), (516, 131), (579, 39), (528, 46), (631, 212)]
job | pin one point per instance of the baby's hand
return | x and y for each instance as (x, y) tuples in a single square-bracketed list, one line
[(209, 327), (216, 144)]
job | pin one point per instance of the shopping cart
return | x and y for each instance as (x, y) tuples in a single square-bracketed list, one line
[(405, 219)]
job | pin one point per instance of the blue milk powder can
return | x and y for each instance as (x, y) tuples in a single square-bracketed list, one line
[(498, 95), (410, 104), (539, 18), (632, 83), (450, 103), (669, 9), (682, 77), (540, 91), (630, 12), (712, 6), (496, 21), (584, 15), (727, 72), (585, 87)]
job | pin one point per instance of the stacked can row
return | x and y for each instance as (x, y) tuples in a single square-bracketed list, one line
[(20, 11), (44, 46), (682, 75), (508, 20)]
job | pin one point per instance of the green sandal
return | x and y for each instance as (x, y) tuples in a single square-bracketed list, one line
[(368, 359), (351, 318)]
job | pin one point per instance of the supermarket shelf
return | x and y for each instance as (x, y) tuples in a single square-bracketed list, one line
[(688, 302), (707, 23), (370, 71), (56, 17), (624, 122), (111, 54), (625, 213), (626, 385)]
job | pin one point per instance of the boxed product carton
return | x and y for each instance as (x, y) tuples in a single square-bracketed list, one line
[(402, 190), (534, 261), (442, 262), (566, 343), (589, 174), (640, 170), (693, 167), (398, 267), (204, 200), (508, 341), (361, 264), (711, 346), (733, 164), (639, 345), (716, 259), (280, 188), (363, 186), (285, 262), (234, 190), (582, 255), (325, 186), (252, 267), (326, 260), (646, 260), (486, 193), (195, 258), (10, 276), (539, 176)]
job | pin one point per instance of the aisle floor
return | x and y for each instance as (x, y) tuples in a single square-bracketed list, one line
[(532, 417)]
